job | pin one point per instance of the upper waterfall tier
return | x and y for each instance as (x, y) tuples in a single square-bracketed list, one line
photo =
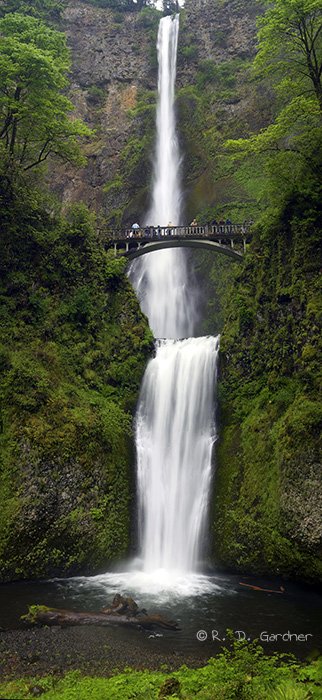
[(166, 194), (161, 279)]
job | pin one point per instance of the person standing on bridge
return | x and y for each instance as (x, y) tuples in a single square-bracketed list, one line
[(135, 226), (213, 227)]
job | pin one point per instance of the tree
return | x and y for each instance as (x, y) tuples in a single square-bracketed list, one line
[(35, 115), (290, 45), (289, 59), (45, 9)]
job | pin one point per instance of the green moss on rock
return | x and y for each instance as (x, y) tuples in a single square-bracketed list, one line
[(75, 344), (268, 489)]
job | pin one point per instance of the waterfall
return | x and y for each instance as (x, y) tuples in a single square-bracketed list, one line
[(160, 278), (175, 434), (175, 427)]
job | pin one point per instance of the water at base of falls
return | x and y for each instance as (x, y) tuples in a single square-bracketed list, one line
[(158, 586)]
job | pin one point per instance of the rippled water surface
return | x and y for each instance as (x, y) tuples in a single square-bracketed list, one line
[(208, 603)]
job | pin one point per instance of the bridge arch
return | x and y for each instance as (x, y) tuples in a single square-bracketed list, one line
[(150, 247)]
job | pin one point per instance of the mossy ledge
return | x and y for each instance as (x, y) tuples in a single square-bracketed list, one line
[(268, 486), (73, 349)]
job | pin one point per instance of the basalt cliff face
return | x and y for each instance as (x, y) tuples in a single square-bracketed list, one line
[(114, 81), (111, 67)]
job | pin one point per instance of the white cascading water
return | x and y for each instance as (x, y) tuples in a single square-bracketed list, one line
[(175, 434), (160, 278), (175, 427)]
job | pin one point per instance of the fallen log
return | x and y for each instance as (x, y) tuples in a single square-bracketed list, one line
[(264, 590), (42, 615)]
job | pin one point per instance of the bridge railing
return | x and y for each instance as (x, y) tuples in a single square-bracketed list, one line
[(158, 232)]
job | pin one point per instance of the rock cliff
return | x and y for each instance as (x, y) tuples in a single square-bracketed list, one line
[(114, 81), (111, 54)]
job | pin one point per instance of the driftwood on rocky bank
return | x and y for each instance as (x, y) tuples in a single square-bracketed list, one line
[(123, 611)]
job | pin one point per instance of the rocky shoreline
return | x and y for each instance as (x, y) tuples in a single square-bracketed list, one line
[(91, 650)]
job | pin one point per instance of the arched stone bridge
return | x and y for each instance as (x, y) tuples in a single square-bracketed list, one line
[(227, 239)]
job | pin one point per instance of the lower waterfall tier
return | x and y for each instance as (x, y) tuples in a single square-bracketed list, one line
[(175, 432)]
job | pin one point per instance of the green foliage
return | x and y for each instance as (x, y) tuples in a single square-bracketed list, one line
[(44, 9), (122, 5), (135, 163), (149, 18), (115, 184), (35, 118), (189, 53), (289, 59), (74, 345), (205, 121), (244, 673), (33, 611), (133, 153), (287, 151), (290, 46), (96, 96), (268, 481), (222, 74), (215, 275)]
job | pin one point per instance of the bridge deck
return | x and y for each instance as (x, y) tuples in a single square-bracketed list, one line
[(157, 232), (224, 238)]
